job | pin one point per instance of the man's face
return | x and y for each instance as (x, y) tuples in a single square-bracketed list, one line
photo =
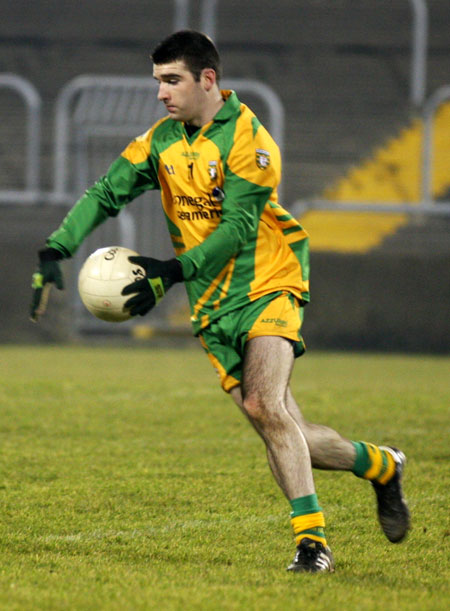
[(183, 96)]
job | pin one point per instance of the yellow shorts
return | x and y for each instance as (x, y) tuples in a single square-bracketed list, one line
[(224, 340)]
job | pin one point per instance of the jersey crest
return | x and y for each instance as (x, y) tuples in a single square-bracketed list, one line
[(262, 159), (212, 170)]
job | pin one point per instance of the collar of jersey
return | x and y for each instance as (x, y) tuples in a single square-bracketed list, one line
[(230, 108)]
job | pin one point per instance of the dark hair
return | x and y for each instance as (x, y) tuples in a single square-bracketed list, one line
[(194, 48)]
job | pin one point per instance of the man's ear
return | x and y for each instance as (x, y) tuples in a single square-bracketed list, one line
[(208, 78)]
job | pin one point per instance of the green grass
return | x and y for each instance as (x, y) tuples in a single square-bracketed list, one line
[(128, 480)]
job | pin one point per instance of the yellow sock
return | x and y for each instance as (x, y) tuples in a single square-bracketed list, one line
[(310, 525)]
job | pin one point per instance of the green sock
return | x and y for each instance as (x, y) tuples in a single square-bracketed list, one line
[(307, 519), (362, 462), (373, 463), (304, 504)]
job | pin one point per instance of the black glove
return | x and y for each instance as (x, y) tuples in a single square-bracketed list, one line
[(47, 273), (160, 276)]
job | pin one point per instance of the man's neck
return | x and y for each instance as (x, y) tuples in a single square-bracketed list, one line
[(212, 108)]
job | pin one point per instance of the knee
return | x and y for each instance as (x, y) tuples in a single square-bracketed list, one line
[(260, 410), (253, 406)]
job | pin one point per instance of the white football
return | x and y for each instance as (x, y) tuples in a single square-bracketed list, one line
[(101, 280)]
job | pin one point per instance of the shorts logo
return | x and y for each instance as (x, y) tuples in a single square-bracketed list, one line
[(275, 321), (262, 159)]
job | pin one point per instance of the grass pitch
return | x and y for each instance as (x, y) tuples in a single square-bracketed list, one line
[(129, 480)]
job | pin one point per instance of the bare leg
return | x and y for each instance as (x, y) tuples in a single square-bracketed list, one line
[(267, 368), (328, 449), (237, 397)]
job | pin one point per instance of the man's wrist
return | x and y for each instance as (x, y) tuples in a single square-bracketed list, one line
[(50, 254), (175, 270)]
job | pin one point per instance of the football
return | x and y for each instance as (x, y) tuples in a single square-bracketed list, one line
[(101, 279)]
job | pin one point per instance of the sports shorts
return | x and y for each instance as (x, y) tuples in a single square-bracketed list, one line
[(224, 340)]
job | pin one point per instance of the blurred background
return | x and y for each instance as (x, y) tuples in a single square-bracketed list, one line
[(357, 95)]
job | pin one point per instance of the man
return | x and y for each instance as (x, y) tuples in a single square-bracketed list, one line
[(244, 261)]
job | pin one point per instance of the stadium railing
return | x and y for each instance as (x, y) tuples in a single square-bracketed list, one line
[(33, 104), (427, 204), (419, 45)]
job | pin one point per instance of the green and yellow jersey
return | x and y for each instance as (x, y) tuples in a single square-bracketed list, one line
[(219, 194)]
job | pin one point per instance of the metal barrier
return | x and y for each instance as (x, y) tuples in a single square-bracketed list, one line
[(33, 104), (419, 45), (301, 206), (92, 104), (427, 205)]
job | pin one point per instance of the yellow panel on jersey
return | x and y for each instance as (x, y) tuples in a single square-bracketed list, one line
[(138, 151), (188, 174), (265, 168)]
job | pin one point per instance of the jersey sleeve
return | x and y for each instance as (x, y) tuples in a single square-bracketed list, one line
[(252, 173), (128, 177)]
